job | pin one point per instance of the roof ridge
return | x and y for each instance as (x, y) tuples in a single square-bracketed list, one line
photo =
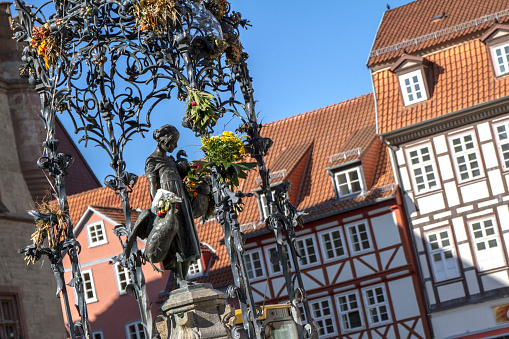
[(318, 109), (439, 33), (106, 207)]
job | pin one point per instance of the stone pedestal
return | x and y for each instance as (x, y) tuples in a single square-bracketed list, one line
[(197, 311)]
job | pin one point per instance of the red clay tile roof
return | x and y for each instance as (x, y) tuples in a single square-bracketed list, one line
[(414, 21), (332, 130), (115, 214), (320, 134), (462, 77)]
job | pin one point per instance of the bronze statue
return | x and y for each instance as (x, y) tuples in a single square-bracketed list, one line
[(171, 238)]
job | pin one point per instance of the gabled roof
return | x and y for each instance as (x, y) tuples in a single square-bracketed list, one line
[(341, 133), (461, 76), (302, 143), (411, 27)]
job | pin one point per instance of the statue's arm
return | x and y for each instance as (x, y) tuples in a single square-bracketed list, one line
[(153, 182), (182, 164)]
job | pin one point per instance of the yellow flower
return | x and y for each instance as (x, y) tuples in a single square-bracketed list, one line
[(41, 50)]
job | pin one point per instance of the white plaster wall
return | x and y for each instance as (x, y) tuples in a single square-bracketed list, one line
[(385, 230), (400, 156), (362, 270), (424, 266), (495, 280), (451, 192), (462, 320), (310, 284), (430, 293), (450, 291), (472, 283), (440, 144), (431, 203), (444, 164), (475, 191), (405, 179), (503, 214), (484, 131), (418, 239), (399, 259), (496, 182), (345, 275), (465, 256), (403, 298), (489, 155), (260, 286)]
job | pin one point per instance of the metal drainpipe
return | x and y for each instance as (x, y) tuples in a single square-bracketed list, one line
[(395, 166)]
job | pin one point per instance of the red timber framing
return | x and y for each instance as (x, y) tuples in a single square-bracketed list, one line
[(386, 265)]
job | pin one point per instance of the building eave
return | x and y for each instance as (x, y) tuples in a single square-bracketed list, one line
[(447, 121)]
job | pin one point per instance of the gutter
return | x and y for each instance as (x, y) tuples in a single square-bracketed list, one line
[(447, 121)]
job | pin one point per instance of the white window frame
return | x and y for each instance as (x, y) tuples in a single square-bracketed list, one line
[(425, 163), (346, 312), (377, 306), (305, 249), (268, 252), (414, 78), (318, 305), (495, 59), (351, 241), (98, 332), (492, 255), (349, 182), (138, 324), (443, 251), (88, 299), (334, 249), (250, 254), (116, 269), (466, 154), (503, 145), (91, 242), (197, 267)]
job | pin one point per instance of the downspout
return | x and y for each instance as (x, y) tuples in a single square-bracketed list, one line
[(395, 167)]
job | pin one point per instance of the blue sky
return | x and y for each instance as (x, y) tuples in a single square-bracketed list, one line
[(303, 55)]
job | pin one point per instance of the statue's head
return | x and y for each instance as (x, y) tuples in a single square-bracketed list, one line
[(167, 137)]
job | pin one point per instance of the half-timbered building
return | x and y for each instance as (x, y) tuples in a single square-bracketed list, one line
[(440, 74), (357, 262)]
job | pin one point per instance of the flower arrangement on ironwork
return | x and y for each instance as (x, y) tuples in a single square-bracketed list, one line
[(156, 15), (50, 224), (197, 184), (226, 152), (218, 8), (46, 44), (201, 113)]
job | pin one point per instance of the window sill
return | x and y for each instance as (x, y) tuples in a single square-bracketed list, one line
[(448, 281), (471, 181)]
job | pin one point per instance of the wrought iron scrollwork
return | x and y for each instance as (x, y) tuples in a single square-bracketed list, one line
[(107, 67)]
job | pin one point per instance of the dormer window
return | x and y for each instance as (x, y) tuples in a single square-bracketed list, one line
[(412, 87), (500, 57), (349, 182), (263, 206), (412, 77), (195, 269), (497, 42)]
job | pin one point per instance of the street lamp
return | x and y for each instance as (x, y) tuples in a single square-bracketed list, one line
[(134, 55)]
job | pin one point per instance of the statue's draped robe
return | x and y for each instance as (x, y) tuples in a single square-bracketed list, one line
[(164, 172)]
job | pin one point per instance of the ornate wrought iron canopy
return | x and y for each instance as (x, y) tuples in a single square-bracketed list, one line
[(107, 64)]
